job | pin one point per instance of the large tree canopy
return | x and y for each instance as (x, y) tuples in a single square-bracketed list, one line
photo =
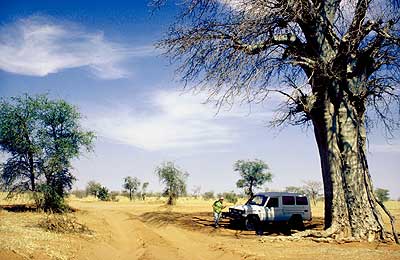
[(336, 64), (41, 137)]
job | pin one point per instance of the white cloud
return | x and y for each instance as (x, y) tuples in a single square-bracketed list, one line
[(38, 46), (176, 121)]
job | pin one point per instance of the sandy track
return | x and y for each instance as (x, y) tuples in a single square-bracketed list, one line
[(150, 231), (126, 236)]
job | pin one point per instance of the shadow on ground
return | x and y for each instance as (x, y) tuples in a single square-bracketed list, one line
[(16, 208), (19, 208), (203, 221)]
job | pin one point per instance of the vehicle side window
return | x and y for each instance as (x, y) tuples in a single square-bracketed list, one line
[(287, 200), (273, 202), (301, 200)]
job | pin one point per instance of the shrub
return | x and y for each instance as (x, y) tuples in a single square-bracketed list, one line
[(103, 194), (113, 195), (208, 195), (230, 197), (79, 193), (49, 200), (63, 223)]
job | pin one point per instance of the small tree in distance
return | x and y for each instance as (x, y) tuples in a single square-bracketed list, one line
[(144, 187), (131, 184), (103, 194), (254, 174), (208, 195), (382, 194), (174, 180), (92, 188), (196, 191), (313, 189)]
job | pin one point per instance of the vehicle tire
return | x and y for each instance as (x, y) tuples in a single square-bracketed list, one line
[(251, 223), (296, 223)]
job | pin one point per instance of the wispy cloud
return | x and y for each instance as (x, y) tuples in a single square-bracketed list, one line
[(168, 120), (39, 46)]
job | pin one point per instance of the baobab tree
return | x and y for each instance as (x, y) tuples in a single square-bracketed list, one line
[(335, 63)]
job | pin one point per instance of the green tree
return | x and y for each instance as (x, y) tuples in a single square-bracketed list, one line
[(61, 139), (92, 188), (144, 190), (103, 194), (41, 136), (19, 123), (131, 184), (254, 174), (382, 194), (174, 180), (330, 60)]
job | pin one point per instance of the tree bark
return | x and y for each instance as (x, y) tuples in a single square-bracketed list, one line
[(31, 171), (351, 209)]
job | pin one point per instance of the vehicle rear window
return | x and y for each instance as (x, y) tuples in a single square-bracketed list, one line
[(301, 200), (273, 202), (287, 200)]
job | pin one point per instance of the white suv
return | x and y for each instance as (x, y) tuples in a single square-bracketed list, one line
[(272, 207)]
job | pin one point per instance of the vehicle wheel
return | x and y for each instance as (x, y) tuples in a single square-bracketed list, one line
[(251, 223), (296, 223)]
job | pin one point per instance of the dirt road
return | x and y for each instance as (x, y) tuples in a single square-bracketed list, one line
[(151, 231), (145, 231), (130, 233)]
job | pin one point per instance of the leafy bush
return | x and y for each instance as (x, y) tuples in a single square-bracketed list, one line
[(103, 194), (49, 200)]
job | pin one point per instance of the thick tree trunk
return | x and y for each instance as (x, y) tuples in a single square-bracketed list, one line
[(351, 209)]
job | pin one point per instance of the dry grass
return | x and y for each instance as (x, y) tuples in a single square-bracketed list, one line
[(21, 234), (29, 235), (64, 223), (17, 199)]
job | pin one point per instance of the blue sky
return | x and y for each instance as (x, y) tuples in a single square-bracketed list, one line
[(101, 58)]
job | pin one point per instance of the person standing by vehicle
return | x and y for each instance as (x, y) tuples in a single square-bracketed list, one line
[(217, 208)]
